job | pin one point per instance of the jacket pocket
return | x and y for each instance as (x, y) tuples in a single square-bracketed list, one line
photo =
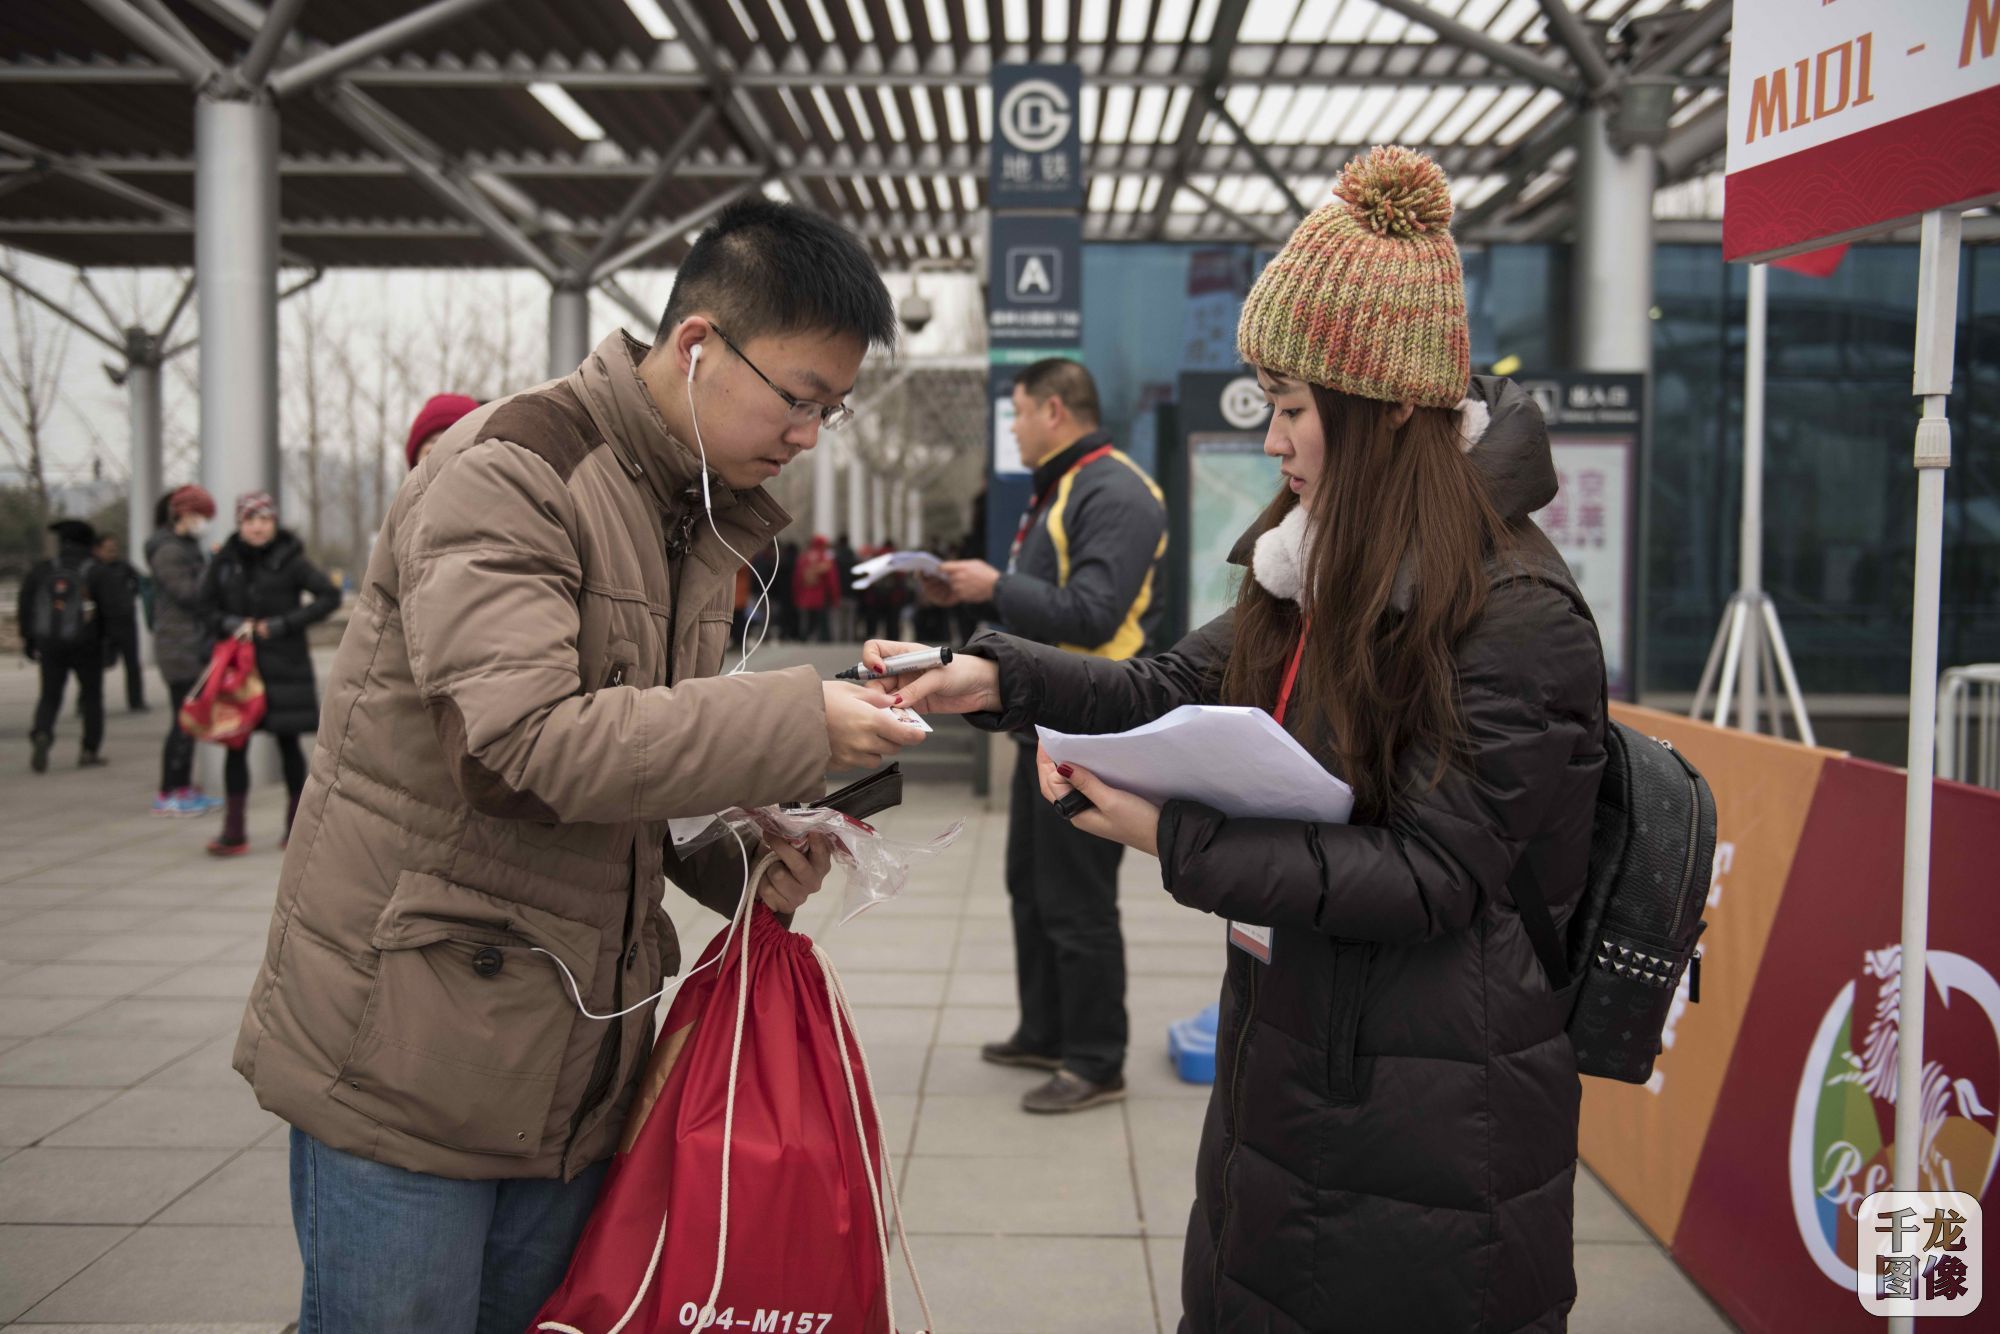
[(1350, 981), (463, 1038)]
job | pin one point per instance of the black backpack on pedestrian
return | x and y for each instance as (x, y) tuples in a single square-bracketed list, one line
[(63, 613), (1652, 854)]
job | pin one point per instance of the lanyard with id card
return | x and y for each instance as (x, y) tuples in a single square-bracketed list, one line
[(1255, 941)]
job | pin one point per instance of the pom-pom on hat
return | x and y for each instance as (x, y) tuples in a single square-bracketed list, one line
[(1367, 297)]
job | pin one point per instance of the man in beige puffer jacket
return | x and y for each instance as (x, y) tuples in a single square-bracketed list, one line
[(525, 696)]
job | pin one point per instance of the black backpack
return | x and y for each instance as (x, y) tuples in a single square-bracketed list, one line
[(64, 613), (1652, 853)]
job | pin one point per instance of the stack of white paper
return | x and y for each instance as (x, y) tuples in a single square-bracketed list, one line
[(868, 572), (1237, 760)]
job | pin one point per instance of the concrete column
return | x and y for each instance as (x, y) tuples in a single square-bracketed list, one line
[(857, 499), (826, 480), (1612, 276), (895, 515), (878, 510), (913, 518), (569, 328), (142, 386), (236, 277)]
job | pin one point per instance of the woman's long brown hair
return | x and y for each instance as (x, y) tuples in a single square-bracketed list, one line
[(1376, 682)]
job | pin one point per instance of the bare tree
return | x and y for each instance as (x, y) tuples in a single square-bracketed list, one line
[(31, 367), (314, 337)]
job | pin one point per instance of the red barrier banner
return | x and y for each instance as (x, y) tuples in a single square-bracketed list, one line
[(1804, 1128)]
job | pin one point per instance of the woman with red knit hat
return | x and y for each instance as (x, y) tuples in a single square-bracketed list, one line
[(433, 418), (1391, 1139), (180, 636)]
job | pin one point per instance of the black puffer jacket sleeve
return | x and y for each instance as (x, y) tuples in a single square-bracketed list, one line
[(1072, 692), (1530, 699), (324, 597)]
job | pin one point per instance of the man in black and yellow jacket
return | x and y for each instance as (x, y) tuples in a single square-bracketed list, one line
[(1081, 577)]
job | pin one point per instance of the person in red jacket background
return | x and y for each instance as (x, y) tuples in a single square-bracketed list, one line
[(816, 590)]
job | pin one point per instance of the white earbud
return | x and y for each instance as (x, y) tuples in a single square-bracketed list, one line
[(694, 359), (708, 507)]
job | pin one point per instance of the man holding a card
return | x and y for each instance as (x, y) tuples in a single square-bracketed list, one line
[(1080, 578)]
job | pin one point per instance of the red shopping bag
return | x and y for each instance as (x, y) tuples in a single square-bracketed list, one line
[(228, 701), (751, 1192)]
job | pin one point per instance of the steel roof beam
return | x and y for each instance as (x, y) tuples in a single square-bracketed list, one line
[(196, 65), (1581, 45), (1257, 156), (63, 312), (444, 182), (1480, 42), (61, 165), (735, 104), (269, 42), (668, 234), (643, 197), (323, 65), (1221, 42)]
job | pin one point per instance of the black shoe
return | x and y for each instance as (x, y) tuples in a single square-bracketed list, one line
[(38, 758), (1069, 1092), (90, 759), (1011, 1053)]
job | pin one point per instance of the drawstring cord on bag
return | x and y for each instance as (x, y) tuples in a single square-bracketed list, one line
[(836, 996)]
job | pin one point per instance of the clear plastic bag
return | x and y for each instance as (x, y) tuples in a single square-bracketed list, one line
[(878, 867)]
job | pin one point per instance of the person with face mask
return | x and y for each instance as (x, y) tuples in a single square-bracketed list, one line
[(526, 694), (175, 556), (1391, 1138), (252, 590)]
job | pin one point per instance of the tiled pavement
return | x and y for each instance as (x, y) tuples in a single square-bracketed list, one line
[(142, 1188)]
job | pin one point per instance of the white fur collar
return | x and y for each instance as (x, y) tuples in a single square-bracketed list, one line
[(1278, 560)]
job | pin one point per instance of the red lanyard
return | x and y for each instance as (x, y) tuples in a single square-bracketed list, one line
[(1291, 677), (1028, 518)]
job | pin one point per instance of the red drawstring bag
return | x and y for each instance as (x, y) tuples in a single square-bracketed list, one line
[(228, 702), (752, 1190)]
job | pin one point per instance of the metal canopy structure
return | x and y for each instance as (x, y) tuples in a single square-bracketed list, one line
[(586, 137)]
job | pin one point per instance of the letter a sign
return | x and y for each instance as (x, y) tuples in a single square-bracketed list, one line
[(1852, 118)]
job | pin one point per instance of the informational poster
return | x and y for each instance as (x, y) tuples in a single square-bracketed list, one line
[(1034, 293), (1595, 424), (1218, 280), (1228, 482)]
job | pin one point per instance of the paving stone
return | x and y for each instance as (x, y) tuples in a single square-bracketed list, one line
[(1091, 1197), (868, 987), (164, 1274), (207, 1066), (27, 947), (38, 1260), (976, 1025), (255, 1188), (171, 1118), (1030, 1285), (1622, 1289), (44, 1185), (1601, 1218), (87, 919), (27, 1114), (88, 1061), (909, 1025), (219, 981), (150, 947), (996, 1127), (157, 1016), (32, 1016), (83, 979), (970, 988)]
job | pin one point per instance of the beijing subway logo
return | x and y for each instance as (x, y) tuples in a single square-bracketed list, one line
[(1243, 404), (1034, 116), (1843, 1140)]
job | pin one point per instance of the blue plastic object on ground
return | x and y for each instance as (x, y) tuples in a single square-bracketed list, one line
[(1191, 1042)]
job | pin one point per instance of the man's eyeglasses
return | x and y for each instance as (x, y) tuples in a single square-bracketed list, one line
[(831, 416)]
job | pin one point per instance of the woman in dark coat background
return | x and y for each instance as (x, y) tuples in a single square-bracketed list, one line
[(252, 590), (1391, 1140)]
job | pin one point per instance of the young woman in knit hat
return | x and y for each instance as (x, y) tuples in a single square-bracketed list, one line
[(253, 590), (1391, 1141)]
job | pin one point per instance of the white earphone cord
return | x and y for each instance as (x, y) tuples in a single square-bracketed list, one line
[(764, 595)]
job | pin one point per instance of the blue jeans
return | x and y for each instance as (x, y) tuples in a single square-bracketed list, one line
[(388, 1249)]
